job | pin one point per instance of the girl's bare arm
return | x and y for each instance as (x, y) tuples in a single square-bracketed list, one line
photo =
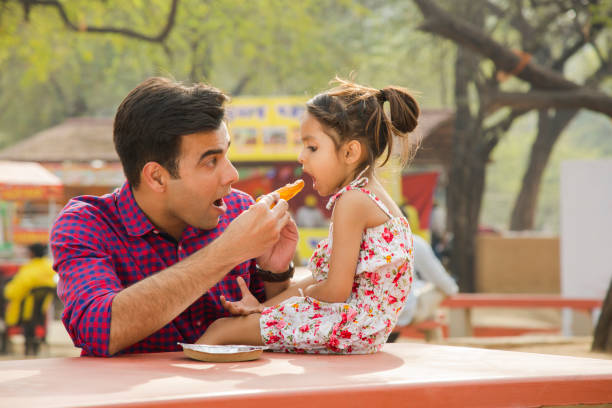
[(352, 214)]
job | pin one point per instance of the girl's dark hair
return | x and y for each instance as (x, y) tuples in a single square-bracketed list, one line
[(151, 120), (356, 112)]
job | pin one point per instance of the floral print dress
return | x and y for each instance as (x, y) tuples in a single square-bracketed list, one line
[(361, 325)]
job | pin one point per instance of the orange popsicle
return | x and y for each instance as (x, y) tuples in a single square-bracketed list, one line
[(287, 191)]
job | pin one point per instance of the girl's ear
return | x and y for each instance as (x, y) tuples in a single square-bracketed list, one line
[(352, 151), (154, 176)]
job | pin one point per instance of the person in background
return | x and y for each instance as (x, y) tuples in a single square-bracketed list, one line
[(36, 272), (309, 215), (437, 225), (431, 285)]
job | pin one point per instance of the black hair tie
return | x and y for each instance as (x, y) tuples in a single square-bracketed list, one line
[(381, 95)]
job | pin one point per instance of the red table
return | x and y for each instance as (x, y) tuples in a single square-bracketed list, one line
[(404, 374)]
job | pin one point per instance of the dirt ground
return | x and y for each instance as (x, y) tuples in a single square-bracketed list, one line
[(580, 347), (547, 344), (548, 319), (60, 345)]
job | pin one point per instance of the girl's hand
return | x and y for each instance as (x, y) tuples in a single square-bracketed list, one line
[(245, 306)]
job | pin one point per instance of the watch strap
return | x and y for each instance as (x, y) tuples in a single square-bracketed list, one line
[(268, 276)]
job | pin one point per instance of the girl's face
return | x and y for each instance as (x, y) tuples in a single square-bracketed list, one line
[(320, 159)]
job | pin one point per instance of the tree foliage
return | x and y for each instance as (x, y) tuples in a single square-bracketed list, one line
[(260, 48)]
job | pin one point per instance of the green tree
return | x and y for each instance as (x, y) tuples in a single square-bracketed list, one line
[(259, 48), (542, 87), (486, 107)]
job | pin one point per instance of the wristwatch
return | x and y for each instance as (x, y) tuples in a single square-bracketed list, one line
[(268, 276)]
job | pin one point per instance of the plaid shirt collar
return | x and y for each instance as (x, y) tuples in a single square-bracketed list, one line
[(135, 221)]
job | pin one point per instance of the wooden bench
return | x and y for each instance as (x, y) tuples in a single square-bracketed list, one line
[(460, 317), (405, 374), (429, 330), (461, 305)]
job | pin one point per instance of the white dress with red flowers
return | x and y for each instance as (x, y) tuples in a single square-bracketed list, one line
[(361, 325)]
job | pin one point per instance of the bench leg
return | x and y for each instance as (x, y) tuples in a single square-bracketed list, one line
[(567, 319), (595, 313), (460, 322), (3, 337), (434, 334)]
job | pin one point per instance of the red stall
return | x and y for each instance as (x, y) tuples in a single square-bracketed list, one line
[(29, 196)]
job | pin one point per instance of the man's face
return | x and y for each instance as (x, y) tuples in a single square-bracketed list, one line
[(205, 176)]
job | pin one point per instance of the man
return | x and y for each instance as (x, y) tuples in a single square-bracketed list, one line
[(145, 266), (309, 215)]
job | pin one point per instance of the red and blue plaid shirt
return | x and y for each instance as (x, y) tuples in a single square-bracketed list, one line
[(103, 244)]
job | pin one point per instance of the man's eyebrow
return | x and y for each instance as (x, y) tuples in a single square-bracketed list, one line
[(213, 152)]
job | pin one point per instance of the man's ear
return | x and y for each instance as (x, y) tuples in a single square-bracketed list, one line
[(352, 151), (154, 175)]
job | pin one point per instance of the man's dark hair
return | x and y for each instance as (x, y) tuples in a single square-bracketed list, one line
[(151, 120), (37, 250)]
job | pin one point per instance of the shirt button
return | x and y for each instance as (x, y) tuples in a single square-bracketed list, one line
[(199, 323), (180, 247), (155, 231)]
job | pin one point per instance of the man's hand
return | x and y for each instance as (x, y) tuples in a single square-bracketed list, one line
[(277, 258), (247, 305), (258, 229)]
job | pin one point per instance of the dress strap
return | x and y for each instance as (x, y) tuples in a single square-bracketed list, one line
[(358, 184), (378, 202)]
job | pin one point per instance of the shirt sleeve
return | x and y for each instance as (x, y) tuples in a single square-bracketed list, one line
[(88, 281)]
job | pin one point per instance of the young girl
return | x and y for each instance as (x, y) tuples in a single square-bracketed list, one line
[(363, 272)]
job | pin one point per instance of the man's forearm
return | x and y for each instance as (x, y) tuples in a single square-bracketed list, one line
[(145, 307)]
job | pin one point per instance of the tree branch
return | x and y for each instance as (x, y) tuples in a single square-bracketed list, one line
[(241, 84), (574, 48), (463, 33), (552, 90), (159, 38), (528, 34), (603, 71), (566, 99), (494, 133)]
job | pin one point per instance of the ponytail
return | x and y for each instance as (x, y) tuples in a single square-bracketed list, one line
[(403, 115), (403, 108)]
